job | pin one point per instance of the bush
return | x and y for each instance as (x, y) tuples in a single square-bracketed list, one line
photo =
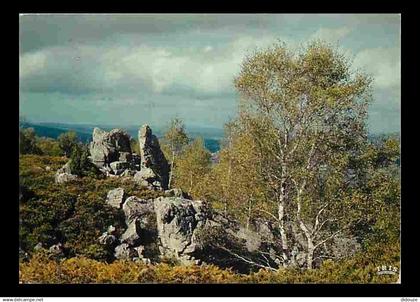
[(67, 141), (27, 141), (74, 214), (80, 163), (49, 146)]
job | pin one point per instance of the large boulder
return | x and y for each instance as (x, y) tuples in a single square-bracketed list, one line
[(125, 252), (135, 207), (132, 233), (152, 156), (176, 223), (187, 230), (107, 147)]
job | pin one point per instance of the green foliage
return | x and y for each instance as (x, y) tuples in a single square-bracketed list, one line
[(80, 163), (175, 136), (193, 164), (174, 141), (382, 219), (134, 145), (235, 185), (74, 214), (358, 269), (27, 141), (67, 141), (49, 146)]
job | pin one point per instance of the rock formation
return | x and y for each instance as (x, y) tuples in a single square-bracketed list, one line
[(182, 229), (115, 198), (111, 152), (154, 170), (64, 175)]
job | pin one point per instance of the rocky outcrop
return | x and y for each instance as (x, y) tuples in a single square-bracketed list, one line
[(64, 175), (111, 153), (152, 158), (109, 147), (176, 223), (108, 237), (182, 229)]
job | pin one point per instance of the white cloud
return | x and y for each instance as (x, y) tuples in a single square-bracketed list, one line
[(383, 63), (331, 34), (86, 68), (31, 63)]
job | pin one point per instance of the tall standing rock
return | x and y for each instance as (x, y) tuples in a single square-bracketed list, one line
[(152, 156)]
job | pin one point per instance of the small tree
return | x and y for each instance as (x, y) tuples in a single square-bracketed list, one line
[(80, 163), (235, 183), (67, 141), (176, 139), (49, 146), (134, 145), (193, 165), (28, 141)]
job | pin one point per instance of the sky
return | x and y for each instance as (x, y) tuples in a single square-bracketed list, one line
[(148, 68)]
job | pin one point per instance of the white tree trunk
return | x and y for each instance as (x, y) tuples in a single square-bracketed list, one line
[(310, 253), (172, 169)]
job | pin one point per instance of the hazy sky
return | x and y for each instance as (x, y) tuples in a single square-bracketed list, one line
[(133, 69)]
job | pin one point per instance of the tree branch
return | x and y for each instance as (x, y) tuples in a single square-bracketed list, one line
[(245, 259), (264, 211)]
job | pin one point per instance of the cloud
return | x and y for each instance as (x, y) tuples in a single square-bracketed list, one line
[(31, 64), (43, 30), (83, 67), (383, 63), (200, 71), (331, 34)]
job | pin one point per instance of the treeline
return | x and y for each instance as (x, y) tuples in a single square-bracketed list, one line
[(30, 143)]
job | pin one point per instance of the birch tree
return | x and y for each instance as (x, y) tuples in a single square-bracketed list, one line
[(306, 110), (193, 165), (176, 139)]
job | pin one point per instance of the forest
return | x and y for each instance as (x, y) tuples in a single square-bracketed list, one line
[(297, 158)]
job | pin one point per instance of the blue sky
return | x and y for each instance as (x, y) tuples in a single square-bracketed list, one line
[(135, 69)]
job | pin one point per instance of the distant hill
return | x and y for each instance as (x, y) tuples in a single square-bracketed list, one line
[(211, 136)]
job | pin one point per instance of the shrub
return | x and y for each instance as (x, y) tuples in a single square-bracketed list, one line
[(67, 141), (27, 141), (359, 269), (49, 146), (80, 163), (74, 214)]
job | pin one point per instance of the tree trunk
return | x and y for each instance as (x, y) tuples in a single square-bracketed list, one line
[(283, 234), (303, 227), (280, 214), (172, 169), (248, 221), (191, 181), (310, 255)]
